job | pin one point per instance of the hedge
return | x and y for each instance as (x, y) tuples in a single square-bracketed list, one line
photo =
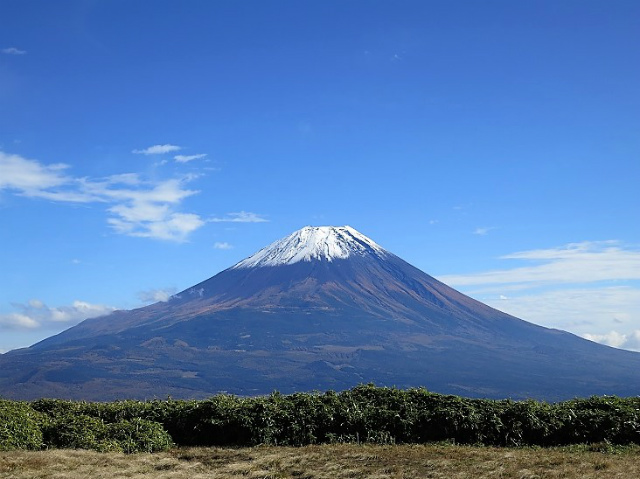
[(363, 414)]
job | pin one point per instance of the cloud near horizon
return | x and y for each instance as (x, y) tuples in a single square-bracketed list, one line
[(37, 315), (615, 339), (589, 288), (583, 262)]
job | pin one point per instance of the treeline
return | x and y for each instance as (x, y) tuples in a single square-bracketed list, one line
[(363, 414)]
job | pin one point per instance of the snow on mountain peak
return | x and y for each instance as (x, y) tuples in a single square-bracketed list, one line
[(313, 243)]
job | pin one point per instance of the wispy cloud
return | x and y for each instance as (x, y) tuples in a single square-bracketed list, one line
[(580, 310), (157, 150), (588, 288), (482, 231), (583, 262), (222, 245), (30, 176), (138, 207), (187, 158), (240, 217), (156, 295), (14, 51), (37, 315), (149, 212)]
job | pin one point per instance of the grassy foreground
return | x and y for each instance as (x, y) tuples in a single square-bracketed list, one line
[(326, 461)]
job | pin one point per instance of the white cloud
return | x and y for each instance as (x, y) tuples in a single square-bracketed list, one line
[(35, 314), (156, 295), (617, 340), (150, 212), (140, 212), (13, 51), (174, 227), (187, 158), (584, 262), (587, 288), (575, 309), (483, 231), (28, 176), (240, 217), (138, 207), (222, 245), (157, 150), (124, 179), (17, 321)]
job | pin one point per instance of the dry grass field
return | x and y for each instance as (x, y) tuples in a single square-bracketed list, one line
[(329, 461)]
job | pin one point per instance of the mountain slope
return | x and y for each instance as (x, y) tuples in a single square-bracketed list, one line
[(325, 307)]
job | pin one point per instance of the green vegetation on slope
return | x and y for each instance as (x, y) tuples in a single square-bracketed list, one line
[(363, 414)]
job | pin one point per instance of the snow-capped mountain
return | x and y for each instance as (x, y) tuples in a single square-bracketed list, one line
[(323, 308), (323, 243)]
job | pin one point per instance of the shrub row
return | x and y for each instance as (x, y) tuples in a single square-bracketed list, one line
[(24, 427), (363, 414)]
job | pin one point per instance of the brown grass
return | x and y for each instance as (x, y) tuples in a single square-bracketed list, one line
[(319, 462)]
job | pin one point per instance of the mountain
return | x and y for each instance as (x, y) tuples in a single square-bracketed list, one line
[(324, 308)]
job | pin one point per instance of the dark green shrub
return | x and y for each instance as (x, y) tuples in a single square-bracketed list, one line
[(74, 431), (57, 407), (600, 419), (365, 413), (79, 431), (136, 435), (222, 420), (529, 423), (19, 426)]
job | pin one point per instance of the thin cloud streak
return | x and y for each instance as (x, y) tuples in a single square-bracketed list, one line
[(240, 217), (14, 51), (483, 231), (187, 158), (584, 262), (157, 150)]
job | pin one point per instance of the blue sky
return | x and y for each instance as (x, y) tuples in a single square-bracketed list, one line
[(146, 146)]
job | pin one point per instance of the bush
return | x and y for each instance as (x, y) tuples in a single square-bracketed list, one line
[(80, 431), (74, 431), (137, 435), (19, 426)]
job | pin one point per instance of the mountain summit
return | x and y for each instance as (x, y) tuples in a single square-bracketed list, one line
[(323, 308), (323, 243)]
